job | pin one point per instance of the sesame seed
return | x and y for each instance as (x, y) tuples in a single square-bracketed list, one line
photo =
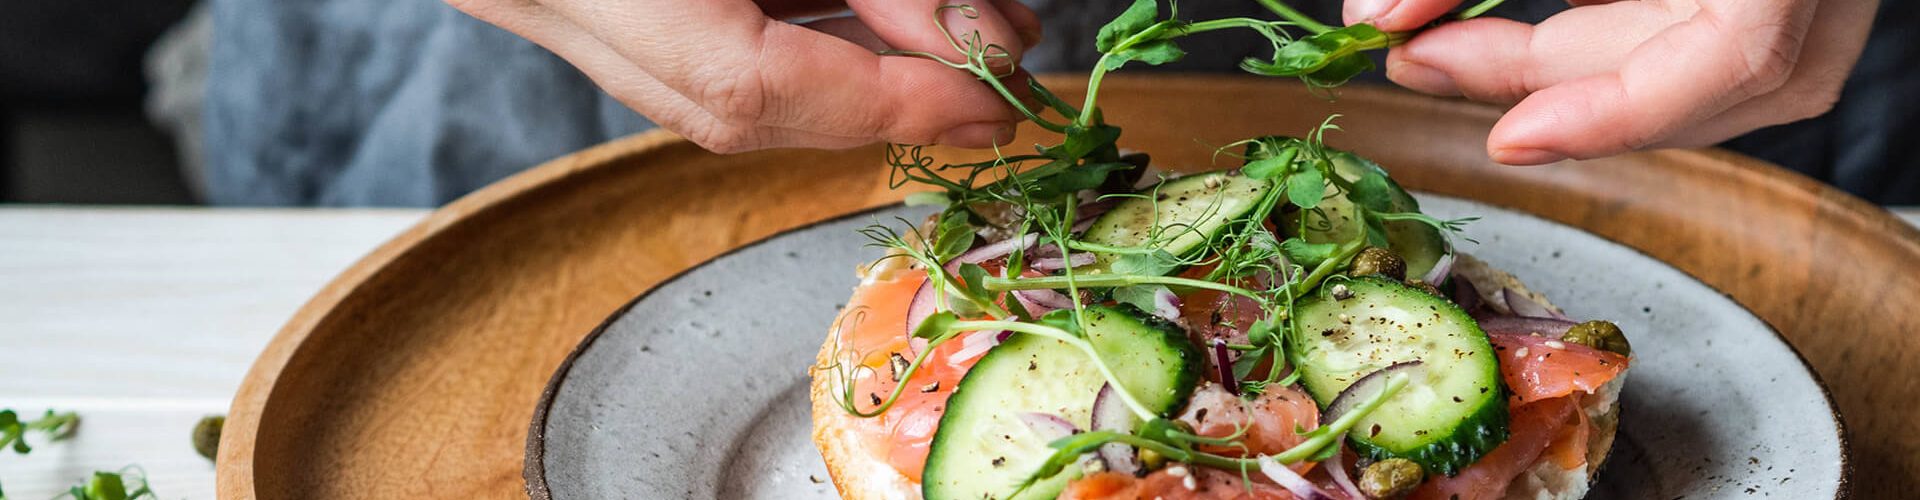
[(1556, 344), (1521, 352), (1177, 471), (1190, 483)]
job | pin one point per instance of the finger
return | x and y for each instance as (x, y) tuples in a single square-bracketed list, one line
[(1025, 21), (1395, 15), (1686, 74), (909, 25), (1499, 60), (633, 87), (788, 9), (1837, 39), (849, 28), (750, 71)]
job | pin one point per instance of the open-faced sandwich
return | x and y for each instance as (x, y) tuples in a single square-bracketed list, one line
[(1075, 325)]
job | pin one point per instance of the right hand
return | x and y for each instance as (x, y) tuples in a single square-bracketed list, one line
[(731, 76), (1606, 77)]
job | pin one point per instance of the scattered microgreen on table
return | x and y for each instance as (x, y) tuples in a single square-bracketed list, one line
[(125, 484)]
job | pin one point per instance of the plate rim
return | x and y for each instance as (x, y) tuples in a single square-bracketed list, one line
[(534, 470), (534, 463)]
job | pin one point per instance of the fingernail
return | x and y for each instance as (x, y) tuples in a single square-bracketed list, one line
[(978, 135), (1422, 78), (1526, 156), (1366, 11)]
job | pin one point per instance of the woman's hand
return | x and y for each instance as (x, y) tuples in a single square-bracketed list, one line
[(1607, 77), (731, 76)]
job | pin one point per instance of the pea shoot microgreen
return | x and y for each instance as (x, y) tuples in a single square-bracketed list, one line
[(59, 426), (1036, 197), (125, 484), (56, 426)]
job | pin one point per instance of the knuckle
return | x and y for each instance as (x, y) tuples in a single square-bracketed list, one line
[(734, 99), (1770, 56)]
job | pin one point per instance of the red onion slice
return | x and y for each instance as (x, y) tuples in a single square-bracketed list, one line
[(1048, 425), (1287, 478), (1521, 305), (1337, 467), (1441, 269), (973, 346), (1368, 386), (1082, 225), (1223, 365), (1033, 308), (1111, 414), (1465, 294), (1046, 298), (1095, 209), (1050, 264), (1166, 305), (1517, 325), (921, 307), (992, 251)]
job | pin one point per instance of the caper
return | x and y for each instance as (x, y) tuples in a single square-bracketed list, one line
[(1425, 287), (1390, 478), (1376, 260), (1150, 460), (206, 435), (1602, 335)]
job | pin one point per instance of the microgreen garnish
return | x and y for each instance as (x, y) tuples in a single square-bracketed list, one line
[(1031, 202), (1169, 439), (13, 431), (125, 484), (102, 485)]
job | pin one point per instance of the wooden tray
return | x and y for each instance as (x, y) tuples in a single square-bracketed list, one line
[(416, 371)]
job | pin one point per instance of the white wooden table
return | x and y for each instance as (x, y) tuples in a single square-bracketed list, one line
[(145, 320)]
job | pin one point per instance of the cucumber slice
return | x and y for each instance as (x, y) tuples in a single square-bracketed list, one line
[(1177, 215), (984, 450), (1419, 244), (1453, 414)]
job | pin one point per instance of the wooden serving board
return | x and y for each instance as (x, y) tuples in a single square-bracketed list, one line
[(415, 372)]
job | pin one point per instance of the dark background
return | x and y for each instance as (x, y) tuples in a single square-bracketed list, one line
[(76, 125), (72, 125)]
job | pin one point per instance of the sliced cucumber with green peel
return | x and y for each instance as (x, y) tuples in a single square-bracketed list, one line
[(1421, 245), (983, 449), (1450, 415), (1177, 216)]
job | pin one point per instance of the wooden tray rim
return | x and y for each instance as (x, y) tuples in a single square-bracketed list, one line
[(235, 467)]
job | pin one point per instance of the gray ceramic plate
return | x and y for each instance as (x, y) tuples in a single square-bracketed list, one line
[(698, 389)]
